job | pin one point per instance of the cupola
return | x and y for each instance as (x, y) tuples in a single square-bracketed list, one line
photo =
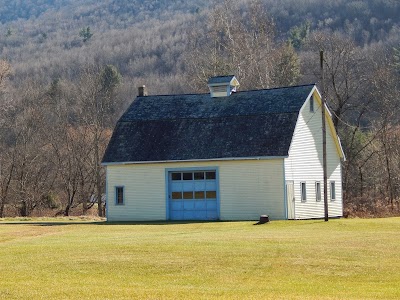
[(222, 86)]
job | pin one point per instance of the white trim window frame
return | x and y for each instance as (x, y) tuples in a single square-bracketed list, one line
[(318, 191), (303, 191), (332, 186), (119, 195)]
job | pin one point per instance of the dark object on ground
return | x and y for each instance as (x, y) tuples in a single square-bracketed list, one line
[(263, 219)]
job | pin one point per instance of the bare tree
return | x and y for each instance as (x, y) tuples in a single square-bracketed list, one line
[(7, 164), (7, 156), (240, 41), (98, 99), (33, 174), (387, 88), (64, 138), (345, 67)]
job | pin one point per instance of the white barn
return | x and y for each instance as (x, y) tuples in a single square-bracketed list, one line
[(223, 156)]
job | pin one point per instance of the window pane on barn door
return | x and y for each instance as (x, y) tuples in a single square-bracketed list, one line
[(210, 175), (188, 176), (211, 194), (187, 195), (176, 176), (199, 195), (176, 195), (198, 175)]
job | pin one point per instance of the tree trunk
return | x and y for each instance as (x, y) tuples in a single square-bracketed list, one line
[(2, 209), (84, 203), (23, 209), (389, 183), (361, 181), (67, 209), (99, 203)]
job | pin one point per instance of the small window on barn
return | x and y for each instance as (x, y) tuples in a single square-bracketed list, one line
[(303, 191), (119, 195), (318, 191), (210, 175), (176, 176), (333, 191), (188, 176), (312, 104)]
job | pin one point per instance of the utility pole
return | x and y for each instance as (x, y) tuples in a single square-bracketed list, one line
[(321, 56)]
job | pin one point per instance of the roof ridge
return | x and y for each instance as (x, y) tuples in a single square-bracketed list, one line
[(238, 92), (282, 87)]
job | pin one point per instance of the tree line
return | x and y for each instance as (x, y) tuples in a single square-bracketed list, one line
[(52, 141), (58, 112), (48, 39)]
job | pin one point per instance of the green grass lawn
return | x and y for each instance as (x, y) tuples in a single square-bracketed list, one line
[(72, 259)]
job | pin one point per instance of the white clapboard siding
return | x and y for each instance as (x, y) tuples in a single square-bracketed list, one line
[(251, 188), (304, 163), (247, 189), (144, 193)]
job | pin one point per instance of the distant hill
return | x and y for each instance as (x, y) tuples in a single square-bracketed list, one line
[(127, 11), (372, 16), (146, 39)]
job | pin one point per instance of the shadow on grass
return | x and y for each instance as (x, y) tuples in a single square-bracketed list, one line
[(50, 223), (104, 223)]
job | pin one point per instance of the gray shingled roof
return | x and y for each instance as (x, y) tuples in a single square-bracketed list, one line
[(189, 127)]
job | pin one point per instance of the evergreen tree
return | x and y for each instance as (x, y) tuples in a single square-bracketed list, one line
[(85, 34), (287, 69), (298, 35)]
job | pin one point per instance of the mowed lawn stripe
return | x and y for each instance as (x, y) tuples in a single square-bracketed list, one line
[(340, 259)]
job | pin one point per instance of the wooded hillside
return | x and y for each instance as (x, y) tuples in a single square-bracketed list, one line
[(146, 39), (69, 68)]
